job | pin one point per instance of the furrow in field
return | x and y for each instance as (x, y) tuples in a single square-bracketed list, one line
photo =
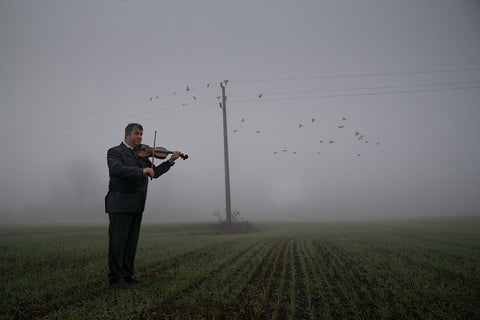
[(313, 270), (325, 296), (387, 286), (270, 291), (197, 293), (284, 302), (432, 244), (243, 275), (249, 304), (396, 278), (444, 283), (279, 288), (151, 271), (437, 238), (338, 296), (300, 298), (281, 299), (361, 285), (435, 261), (93, 292)]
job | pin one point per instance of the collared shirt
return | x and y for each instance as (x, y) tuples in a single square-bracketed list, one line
[(126, 144), (131, 148)]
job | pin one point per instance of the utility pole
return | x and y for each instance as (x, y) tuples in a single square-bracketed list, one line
[(223, 105)]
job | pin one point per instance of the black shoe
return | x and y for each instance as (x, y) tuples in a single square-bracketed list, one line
[(131, 280), (119, 284)]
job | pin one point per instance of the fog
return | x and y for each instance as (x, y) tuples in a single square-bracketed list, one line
[(337, 110)]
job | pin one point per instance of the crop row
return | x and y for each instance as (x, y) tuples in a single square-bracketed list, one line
[(325, 271)]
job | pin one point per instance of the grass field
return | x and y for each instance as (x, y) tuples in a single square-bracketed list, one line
[(411, 269)]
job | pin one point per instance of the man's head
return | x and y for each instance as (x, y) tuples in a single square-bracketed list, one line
[(133, 134)]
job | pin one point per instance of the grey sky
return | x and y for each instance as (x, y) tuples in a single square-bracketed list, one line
[(405, 74)]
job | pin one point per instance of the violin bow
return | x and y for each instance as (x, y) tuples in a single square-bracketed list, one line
[(153, 153)]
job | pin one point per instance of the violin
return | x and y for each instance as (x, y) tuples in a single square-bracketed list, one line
[(145, 151)]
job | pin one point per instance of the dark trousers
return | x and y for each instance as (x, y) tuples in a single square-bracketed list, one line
[(123, 232)]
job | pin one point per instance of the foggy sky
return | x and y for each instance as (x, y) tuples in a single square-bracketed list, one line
[(404, 74)]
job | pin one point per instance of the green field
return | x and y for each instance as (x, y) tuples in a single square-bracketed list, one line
[(410, 269)]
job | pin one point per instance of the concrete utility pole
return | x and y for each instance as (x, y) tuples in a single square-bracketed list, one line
[(223, 105)]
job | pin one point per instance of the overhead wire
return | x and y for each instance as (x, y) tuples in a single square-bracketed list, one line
[(354, 89), (170, 108), (358, 75), (370, 93), (98, 125), (47, 128), (98, 109)]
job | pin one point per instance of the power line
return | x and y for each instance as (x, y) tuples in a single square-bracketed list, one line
[(48, 136), (355, 89), (354, 94), (99, 125), (357, 75), (170, 108), (188, 89), (98, 109)]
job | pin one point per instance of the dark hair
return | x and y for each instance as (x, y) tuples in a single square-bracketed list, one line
[(129, 128)]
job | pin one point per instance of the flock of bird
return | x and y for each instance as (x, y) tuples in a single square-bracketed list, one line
[(187, 90), (356, 134), (187, 94)]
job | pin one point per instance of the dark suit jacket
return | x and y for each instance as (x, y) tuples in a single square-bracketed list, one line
[(127, 189)]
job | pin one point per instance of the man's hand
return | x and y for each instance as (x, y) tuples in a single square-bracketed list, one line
[(148, 172), (175, 155)]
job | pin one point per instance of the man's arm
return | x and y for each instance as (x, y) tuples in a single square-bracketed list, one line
[(162, 168), (117, 168)]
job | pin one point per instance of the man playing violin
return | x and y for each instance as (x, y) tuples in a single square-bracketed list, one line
[(125, 202)]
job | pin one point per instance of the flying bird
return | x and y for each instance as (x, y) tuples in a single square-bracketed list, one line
[(258, 131), (331, 141), (235, 130), (357, 133), (313, 120), (188, 88), (260, 95), (194, 98), (344, 118), (243, 120), (300, 125), (341, 127)]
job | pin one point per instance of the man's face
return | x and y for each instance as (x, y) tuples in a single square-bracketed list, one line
[(134, 138)]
